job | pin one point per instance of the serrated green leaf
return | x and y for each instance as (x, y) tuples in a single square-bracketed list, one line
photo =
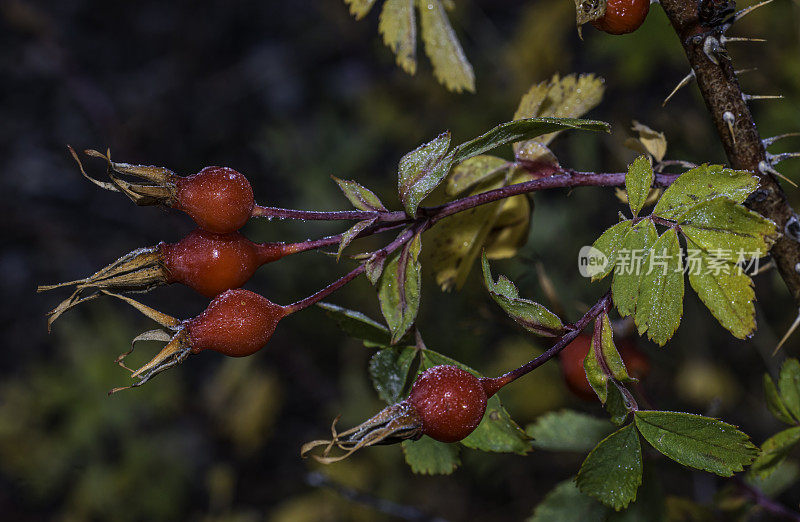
[(638, 182), (660, 302), (565, 503), (517, 130), (497, 432), (568, 430), (649, 505), (399, 30), (351, 234), (612, 472), (725, 289), (698, 442), (704, 183), (421, 170), (359, 8), (530, 315), (629, 262), (450, 66), (789, 386), (475, 170), (389, 369), (775, 403), (430, 457), (609, 244), (568, 97), (399, 289), (357, 325), (727, 230), (774, 451), (361, 197)]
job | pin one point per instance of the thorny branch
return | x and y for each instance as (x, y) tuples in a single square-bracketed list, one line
[(727, 105)]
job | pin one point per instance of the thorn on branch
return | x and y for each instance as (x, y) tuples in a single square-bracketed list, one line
[(729, 120), (683, 83), (769, 141), (751, 97), (747, 10)]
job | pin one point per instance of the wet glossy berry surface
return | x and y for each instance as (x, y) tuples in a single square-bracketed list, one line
[(212, 263), (218, 199), (236, 323), (449, 401), (623, 16)]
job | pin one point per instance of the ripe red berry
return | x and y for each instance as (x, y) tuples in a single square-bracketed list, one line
[(449, 401), (218, 199), (237, 323), (571, 361), (212, 263), (623, 16)]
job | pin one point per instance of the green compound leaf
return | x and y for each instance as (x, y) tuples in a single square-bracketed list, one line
[(399, 30), (530, 315), (638, 182), (630, 261), (389, 369), (565, 503), (359, 8), (704, 183), (660, 302), (399, 289), (774, 451), (430, 457), (603, 362), (698, 442), (612, 472), (421, 170), (497, 432), (450, 65), (568, 430), (725, 289), (609, 244), (617, 405), (351, 234), (789, 386), (727, 230), (775, 403), (361, 197), (357, 325)]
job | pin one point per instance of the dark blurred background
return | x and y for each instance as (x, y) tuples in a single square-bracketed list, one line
[(290, 93)]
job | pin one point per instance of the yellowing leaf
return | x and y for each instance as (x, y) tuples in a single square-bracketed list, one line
[(568, 97), (399, 32), (450, 66), (472, 171), (704, 183), (725, 289), (649, 141), (510, 231), (359, 8)]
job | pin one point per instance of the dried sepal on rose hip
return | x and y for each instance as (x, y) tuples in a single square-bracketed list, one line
[(218, 199), (204, 261), (236, 323), (446, 403)]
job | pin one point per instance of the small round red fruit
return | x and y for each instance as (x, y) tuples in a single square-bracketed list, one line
[(212, 263), (623, 16), (237, 323), (218, 199), (449, 401)]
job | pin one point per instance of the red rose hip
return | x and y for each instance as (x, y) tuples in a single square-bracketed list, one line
[(218, 199), (449, 401), (623, 16)]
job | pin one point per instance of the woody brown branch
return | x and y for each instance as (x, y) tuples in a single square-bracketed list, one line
[(743, 146)]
